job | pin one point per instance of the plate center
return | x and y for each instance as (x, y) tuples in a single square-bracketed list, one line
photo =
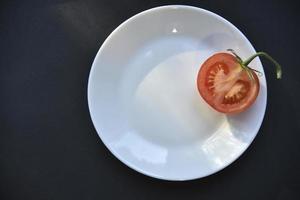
[(164, 105)]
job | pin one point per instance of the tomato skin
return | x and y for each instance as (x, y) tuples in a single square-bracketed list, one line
[(230, 92)]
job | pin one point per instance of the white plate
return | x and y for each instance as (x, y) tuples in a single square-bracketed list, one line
[(144, 102)]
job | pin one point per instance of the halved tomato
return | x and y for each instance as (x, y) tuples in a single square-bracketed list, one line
[(225, 85)]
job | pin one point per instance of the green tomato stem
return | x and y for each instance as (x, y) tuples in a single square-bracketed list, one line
[(263, 54), (233, 52)]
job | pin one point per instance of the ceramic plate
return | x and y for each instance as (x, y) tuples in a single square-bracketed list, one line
[(143, 97)]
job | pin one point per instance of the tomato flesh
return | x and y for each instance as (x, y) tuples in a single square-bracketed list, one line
[(225, 85)]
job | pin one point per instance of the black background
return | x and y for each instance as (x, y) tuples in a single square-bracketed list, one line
[(49, 148)]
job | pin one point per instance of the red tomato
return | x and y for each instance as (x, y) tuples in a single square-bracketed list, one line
[(225, 85)]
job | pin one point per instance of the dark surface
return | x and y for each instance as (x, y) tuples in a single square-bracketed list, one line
[(49, 148)]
